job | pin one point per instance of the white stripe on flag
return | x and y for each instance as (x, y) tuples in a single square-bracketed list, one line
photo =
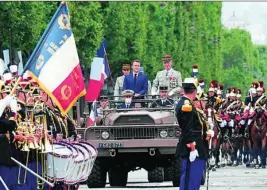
[(60, 65), (96, 68)]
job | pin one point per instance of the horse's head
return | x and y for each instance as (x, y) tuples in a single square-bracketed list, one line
[(260, 118)]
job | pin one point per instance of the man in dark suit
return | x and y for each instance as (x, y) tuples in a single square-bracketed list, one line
[(163, 101), (128, 96), (136, 81)]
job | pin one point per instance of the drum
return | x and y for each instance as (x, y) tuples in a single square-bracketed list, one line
[(85, 166), (58, 161), (92, 156), (73, 165)]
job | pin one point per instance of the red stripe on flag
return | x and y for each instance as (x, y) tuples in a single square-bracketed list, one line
[(94, 88), (70, 88)]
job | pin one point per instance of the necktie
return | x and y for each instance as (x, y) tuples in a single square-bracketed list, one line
[(167, 73), (135, 77)]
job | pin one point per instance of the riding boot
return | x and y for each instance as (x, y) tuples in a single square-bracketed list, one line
[(263, 158)]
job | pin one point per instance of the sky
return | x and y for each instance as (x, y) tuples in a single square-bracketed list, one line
[(250, 12)]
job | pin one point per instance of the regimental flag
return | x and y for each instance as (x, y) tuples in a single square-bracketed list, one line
[(55, 64), (99, 72)]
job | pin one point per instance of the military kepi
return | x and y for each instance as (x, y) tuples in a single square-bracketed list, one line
[(167, 58), (128, 93), (163, 88), (126, 65), (190, 83)]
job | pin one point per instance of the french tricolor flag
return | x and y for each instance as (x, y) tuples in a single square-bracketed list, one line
[(99, 72), (93, 115), (55, 64)]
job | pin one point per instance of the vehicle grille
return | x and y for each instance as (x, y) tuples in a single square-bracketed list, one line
[(133, 120), (134, 133)]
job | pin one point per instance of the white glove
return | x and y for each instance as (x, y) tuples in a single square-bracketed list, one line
[(193, 155), (210, 132), (8, 99), (13, 105)]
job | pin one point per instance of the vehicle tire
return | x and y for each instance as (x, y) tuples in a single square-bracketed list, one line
[(176, 172), (168, 174), (117, 177), (98, 176), (156, 175), (203, 179)]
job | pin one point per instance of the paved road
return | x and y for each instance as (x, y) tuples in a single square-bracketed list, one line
[(235, 178)]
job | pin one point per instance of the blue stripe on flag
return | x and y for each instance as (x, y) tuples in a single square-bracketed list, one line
[(50, 42)]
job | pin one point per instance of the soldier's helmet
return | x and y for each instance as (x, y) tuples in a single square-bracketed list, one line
[(127, 93), (260, 87), (233, 92), (213, 86), (239, 93), (220, 89)]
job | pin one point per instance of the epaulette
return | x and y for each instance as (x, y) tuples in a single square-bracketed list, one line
[(187, 107), (218, 100)]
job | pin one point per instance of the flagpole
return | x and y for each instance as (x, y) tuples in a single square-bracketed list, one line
[(105, 53)]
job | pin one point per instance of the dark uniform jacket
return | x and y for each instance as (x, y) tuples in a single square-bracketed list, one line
[(193, 128), (122, 106), (248, 100), (158, 103), (6, 125)]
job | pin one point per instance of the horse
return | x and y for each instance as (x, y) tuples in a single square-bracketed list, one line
[(215, 144), (258, 135)]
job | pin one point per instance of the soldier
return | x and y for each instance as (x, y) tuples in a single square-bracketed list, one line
[(168, 76), (119, 82), (261, 98), (104, 104), (213, 101), (193, 143), (163, 101), (128, 97)]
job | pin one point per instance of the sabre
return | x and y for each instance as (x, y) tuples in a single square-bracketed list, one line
[(32, 172), (4, 184)]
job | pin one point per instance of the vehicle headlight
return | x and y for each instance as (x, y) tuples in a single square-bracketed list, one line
[(163, 134), (105, 135), (177, 133)]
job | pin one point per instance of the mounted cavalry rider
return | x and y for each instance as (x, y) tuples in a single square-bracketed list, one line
[(261, 98), (213, 101)]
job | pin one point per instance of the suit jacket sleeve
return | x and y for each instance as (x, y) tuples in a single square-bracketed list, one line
[(125, 83), (145, 86)]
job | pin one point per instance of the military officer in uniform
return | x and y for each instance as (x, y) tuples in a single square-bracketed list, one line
[(104, 104), (163, 101), (119, 82), (168, 76), (128, 97), (193, 143)]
